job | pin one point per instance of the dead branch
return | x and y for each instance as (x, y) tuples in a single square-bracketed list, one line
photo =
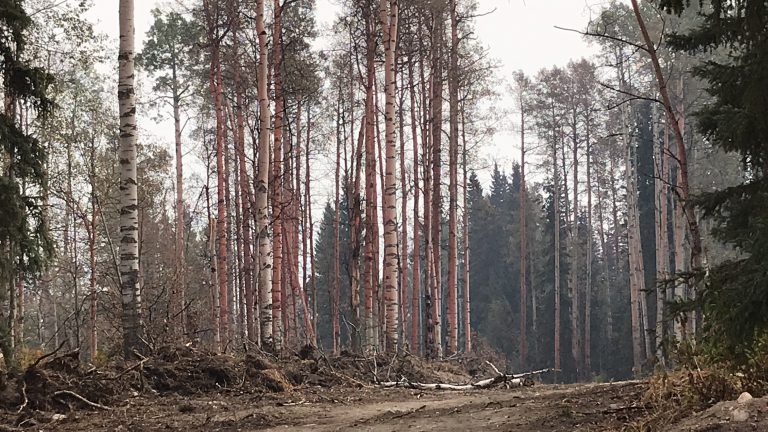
[(604, 36), (286, 404), (494, 368), (349, 378), (24, 395), (392, 362), (82, 399), (536, 372), (137, 365), (45, 356)]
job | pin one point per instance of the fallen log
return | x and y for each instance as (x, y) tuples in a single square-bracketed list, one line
[(484, 384), (510, 380)]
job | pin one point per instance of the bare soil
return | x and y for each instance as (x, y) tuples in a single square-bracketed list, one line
[(600, 407)]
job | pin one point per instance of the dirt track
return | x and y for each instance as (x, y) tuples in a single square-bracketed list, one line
[(588, 407)]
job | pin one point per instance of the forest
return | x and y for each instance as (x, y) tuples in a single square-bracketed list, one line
[(328, 195)]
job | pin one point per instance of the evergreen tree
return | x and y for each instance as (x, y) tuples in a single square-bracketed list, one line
[(23, 229), (324, 260), (735, 295)]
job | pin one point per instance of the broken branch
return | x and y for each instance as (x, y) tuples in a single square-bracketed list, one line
[(82, 399)]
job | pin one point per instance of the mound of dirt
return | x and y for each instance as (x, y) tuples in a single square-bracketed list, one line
[(187, 371), (272, 380), (61, 385)]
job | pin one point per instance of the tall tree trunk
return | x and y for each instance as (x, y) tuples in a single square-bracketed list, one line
[(300, 285), (453, 186), (221, 202), (465, 229), (177, 314), (556, 199), (212, 15), (310, 225), (430, 340), (237, 232), (606, 269), (335, 293), (682, 238), (681, 263), (403, 256), (246, 201), (437, 137), (232, 268), (662, 238), (573, 267), (93, 292), (74, 257), (213, 291), (356, 226), (133, 327), (636, 274), (269, 339), (416, 288), (379, 316), (371, 218), (18, 317), (290, 245), (683, 188), (18, 310), (588, 293), (388, 15), (523, 245), (277, 183)]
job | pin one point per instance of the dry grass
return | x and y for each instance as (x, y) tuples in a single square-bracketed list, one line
[(672, 396)]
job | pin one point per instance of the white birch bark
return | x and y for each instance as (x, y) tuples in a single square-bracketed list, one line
[(261, 189), (129, 221)]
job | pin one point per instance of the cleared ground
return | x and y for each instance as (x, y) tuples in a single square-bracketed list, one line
[(591, 407)]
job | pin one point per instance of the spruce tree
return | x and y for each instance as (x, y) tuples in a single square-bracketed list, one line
[(23, 230), (735, 297)]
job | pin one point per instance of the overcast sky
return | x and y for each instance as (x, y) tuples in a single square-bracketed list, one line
[(520, 34)]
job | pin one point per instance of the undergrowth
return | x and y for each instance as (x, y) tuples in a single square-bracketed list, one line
[(703, 377)]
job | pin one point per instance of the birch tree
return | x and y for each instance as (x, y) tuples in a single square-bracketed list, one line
[(388, 15), (261, 190), (133, 327)]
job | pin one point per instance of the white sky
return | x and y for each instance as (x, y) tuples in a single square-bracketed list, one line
[(520, 34)]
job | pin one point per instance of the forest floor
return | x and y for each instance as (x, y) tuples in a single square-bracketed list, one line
[(192, 391)]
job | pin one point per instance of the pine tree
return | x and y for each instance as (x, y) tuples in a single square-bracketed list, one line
[(170, 54)]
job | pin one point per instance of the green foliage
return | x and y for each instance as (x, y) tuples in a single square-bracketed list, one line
[(734, 299), (301, 67), (325, 272), (24, 233), (172, 54), (24, 228)]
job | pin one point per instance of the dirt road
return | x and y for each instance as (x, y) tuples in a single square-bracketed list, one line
[(546, 408), (587, 407)]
